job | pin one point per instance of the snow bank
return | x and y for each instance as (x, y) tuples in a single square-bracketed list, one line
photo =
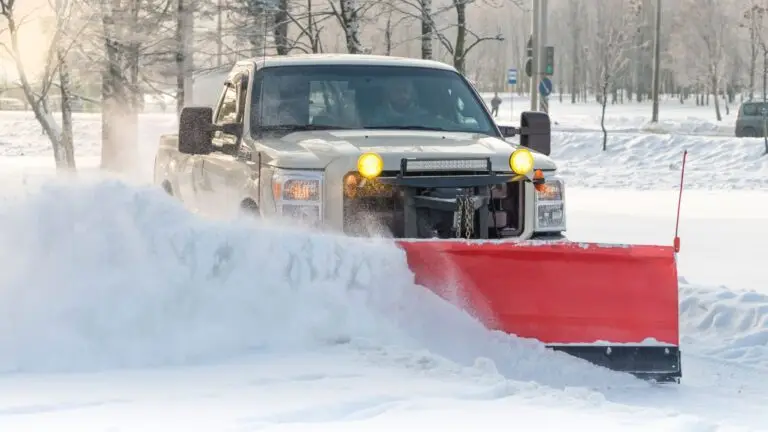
[(725, 324), (105, 275), (651, 161), (674, 117)]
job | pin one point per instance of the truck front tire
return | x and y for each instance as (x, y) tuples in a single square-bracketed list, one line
[(167, 187), (249, 208)]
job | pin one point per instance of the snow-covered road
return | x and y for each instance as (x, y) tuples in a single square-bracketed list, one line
[(241, 327), (331, 358)]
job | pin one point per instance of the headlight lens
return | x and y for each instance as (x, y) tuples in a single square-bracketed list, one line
[(370, 165), (298, 194), (550, 206), (521, 161)]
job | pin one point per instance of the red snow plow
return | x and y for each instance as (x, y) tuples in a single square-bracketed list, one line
[(488, 234), (612, 305)]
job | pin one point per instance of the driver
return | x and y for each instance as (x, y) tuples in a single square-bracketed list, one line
[(399, 104)]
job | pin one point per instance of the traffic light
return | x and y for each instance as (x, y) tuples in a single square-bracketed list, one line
[(529, 47), (549, 66), (529, 60)]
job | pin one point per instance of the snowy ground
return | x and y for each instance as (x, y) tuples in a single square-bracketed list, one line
[(681, 119), (241, 327)]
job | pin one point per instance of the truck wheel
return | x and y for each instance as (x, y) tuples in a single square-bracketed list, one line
[(167, 187), (249, 208), (748, 132)]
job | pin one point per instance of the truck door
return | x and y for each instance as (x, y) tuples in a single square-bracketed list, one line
[(225, 171)]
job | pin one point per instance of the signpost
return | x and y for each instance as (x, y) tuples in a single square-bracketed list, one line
[(545, 89), (764, 111), (512, 81), (545, 86), (512, 76)]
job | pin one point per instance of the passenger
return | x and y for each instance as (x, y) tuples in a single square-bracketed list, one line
[(284, 103)]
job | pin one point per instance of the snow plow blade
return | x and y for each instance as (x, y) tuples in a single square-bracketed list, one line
[(612, 305)]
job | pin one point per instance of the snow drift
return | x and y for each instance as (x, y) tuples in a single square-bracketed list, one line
[(727, 325), (650, 161), (106, 275)]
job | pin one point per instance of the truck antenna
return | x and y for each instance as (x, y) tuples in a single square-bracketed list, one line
[(676, 242)]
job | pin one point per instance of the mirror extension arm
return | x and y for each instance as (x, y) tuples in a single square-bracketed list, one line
[(235, 129)]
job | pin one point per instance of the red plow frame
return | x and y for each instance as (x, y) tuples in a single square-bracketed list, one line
[(612, 305)]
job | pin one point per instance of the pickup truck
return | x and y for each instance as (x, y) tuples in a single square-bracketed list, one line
[(362, 144)]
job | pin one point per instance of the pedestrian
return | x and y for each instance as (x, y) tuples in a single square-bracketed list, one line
[(495, 102)]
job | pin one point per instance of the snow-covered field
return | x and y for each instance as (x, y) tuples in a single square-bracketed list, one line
[(120, 311), (681, 119)]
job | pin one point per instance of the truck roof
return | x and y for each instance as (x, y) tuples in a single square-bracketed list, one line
[(344, 59)]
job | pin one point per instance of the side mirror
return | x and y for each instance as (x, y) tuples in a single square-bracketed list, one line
[(535, 132), (508, 131), (195, 127)]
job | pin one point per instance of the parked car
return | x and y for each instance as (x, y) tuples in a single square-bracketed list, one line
[(752, 118)]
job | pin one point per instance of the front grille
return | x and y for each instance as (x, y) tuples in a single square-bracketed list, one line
[(382, 213)]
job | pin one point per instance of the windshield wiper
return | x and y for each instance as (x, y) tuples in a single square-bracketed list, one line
[(409, 127), (298, 128)]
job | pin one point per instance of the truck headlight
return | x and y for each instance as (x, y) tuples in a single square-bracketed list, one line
[(298, 194), (550, 206)]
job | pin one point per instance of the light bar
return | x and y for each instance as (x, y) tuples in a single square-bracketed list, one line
[(447, 165)]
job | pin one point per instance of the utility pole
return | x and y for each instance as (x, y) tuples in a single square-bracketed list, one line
[(219, 28), (656, 64), (543, 101), (188, 49), (536, 56)]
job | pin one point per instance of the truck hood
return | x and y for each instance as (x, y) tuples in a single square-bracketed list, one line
[(317, 149)]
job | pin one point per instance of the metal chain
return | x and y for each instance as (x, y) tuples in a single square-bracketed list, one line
[(469, 209), (466, 214), (459, 215)]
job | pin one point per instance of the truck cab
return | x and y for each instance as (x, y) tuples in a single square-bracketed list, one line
[(364, 145)]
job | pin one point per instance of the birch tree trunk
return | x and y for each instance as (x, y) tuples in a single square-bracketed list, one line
[(184, 61), (66, 137), (281, 28), (426, 29), (351, 23)]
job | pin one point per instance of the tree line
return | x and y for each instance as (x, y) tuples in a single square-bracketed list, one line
[(111, 53)]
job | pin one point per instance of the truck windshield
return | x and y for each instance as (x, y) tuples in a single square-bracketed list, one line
[(366, 97)]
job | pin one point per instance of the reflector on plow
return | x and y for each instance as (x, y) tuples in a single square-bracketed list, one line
[(613, 305)]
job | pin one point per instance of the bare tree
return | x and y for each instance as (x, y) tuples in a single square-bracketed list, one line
[(707, 39), (574, 13), (610, 48), (350, 14), (37, 89), (752, 20), (251, 19)]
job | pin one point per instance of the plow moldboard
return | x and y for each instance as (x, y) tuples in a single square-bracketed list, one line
[(558, 293)]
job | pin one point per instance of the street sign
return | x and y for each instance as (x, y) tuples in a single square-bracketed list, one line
[(512, 76), (545, 86)]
